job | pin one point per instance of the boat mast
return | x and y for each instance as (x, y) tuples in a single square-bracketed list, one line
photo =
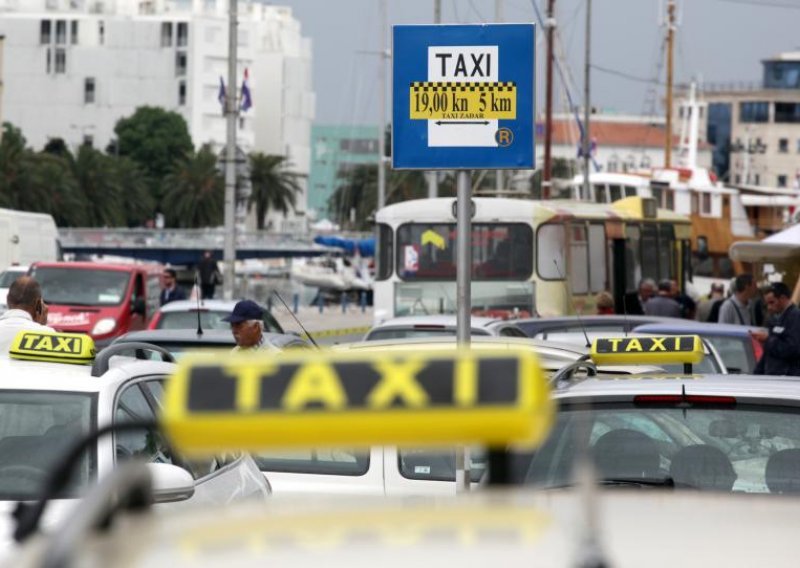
[(670, 63), (547, 174), (587, 102)]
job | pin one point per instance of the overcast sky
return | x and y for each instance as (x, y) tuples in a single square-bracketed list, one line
[(717, 40)]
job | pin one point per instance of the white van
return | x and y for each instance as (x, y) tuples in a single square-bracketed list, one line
[(26, 238)]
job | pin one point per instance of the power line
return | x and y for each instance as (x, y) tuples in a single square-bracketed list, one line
[(763, 4), (628, 76)]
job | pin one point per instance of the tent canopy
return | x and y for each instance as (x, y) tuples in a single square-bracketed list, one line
[(780, 246)]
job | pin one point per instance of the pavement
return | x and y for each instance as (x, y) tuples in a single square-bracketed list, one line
[(329, 327)]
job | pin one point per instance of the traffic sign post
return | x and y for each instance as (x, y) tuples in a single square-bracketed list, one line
[(463, 99)]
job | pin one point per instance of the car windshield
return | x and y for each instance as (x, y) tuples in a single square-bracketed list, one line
[(82, 287), (411, 332), (742, 448), (188, 320), (36, 429), (7, 278), (179, 349)]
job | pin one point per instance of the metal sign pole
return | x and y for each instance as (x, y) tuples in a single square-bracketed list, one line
[(229, 252), (463, 297)]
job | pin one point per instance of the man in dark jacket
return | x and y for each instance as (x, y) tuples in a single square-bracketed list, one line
[(782, 342), (663, 304), (210, 275), (171, 291)]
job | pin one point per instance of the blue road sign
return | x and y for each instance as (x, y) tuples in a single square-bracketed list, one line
[(463, 97)]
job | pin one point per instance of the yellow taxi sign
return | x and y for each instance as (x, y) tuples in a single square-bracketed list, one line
[(52, 346), (257, 401), (648, 350)]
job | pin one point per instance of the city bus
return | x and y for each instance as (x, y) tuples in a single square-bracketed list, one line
[(529, 257)]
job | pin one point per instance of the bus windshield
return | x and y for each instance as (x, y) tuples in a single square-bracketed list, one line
[(82, 287), (500, 251)]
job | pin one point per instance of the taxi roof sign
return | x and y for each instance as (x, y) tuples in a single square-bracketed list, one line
[(263, 400), (53, 347), (647, 350)]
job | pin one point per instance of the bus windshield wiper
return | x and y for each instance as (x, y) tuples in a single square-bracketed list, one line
[(624, 481)]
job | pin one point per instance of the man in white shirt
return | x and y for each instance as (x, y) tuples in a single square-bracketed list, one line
[(736, 309), (26, 311)]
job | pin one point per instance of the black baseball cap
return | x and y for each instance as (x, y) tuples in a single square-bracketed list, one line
[(245, 310)]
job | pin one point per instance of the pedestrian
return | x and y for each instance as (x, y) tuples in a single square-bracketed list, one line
[(663, 304), (715, 296), (634, 304), (247, 326), (687, 304), (171, 291), (736, 309), (210, 275), (782, 342), (604, 302), (26, 311)]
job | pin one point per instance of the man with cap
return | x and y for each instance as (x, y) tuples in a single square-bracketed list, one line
[(247, 326)]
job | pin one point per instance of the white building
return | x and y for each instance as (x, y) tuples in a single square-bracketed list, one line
[(73, 68)]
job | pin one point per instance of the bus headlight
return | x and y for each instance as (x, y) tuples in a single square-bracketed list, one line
[(105, 325)]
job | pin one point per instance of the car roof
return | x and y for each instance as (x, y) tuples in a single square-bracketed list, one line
[(740, 386), (86, 265), (209, 337), (592, 320), (701, 328), (188, 305), (37, 375), (446, 320)]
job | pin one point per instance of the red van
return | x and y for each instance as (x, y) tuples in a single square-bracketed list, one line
[(103, 300)]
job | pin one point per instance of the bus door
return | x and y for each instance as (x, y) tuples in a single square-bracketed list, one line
[(618, 281)]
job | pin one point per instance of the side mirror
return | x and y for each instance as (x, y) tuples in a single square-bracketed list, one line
[(170, 483), (138, 307)]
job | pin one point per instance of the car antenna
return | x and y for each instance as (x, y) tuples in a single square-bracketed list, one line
[(625, 315), (572, 303), (308, 335), (198, 293)]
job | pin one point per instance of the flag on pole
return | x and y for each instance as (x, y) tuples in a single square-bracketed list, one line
[(247, 101), (222, 95)]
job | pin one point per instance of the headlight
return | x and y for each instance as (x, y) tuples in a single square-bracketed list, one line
[(105, 325)]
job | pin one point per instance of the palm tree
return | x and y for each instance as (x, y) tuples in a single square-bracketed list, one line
[(194, 191), (137, 199), (53, 176), (274, 185), (94, 174)]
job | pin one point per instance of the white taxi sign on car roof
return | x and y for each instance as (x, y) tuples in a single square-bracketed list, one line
[(648, 350), (53, 347), (262, 400)]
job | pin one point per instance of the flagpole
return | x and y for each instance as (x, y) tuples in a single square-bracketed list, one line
[(229, 252)]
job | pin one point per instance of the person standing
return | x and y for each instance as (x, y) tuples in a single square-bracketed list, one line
[(26, 311), (736, 309), (782, 342), (687, 304), (634, 304), (247, 326), (663, 304), (705, 307), (171, 291), (210, 275)]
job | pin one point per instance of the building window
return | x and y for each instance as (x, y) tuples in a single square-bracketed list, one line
[(101, 32), (49, 61), (783, 145), (757, 179), (166, 34), (694, 206), (183, 34), (737, 179), (73, 32), (754, 111), (705, 200), (182, 93), (44, 32), (61, 60), (88, 90), (88, 140), (782, 181), (787, 112), (613, 163), (180, 63), (61, 32)]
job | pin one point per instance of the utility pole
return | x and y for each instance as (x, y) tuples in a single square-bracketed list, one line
[(498, 18), (670, 63), (382, 159), (547, 174), (229, 253), (587, 111), (433, 175)]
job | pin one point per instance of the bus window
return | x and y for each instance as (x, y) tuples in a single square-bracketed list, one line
[(666, 246), (600, 193), (578, 259), (500, 251), (616, 192), (649, 254), (633, 266), (597, 257), (630, 191), (385, 242), (550, 248)]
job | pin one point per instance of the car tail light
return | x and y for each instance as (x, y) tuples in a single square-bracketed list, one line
[(684, 398)]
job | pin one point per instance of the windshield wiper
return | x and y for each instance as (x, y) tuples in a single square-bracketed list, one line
[(624, 481)]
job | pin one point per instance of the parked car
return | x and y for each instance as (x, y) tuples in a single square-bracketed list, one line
[(7, 279), (595, 326), (183, 314), (438, 326)]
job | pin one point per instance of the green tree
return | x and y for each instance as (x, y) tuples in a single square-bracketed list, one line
[(194, 191), (274, 186), (94, 174), (154, 138), (53, 177), (138, 204), (15, 170)]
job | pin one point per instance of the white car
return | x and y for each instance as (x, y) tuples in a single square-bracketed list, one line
[(438, 326), (184, 314), (45, 407), (7, 278)]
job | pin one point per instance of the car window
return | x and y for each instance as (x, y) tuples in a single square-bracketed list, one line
[(317, 461), (188, 320), (733, 352), (438, 465), (271, 324), (743, 448), (132, 406), (413, 332), (511, 331)]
